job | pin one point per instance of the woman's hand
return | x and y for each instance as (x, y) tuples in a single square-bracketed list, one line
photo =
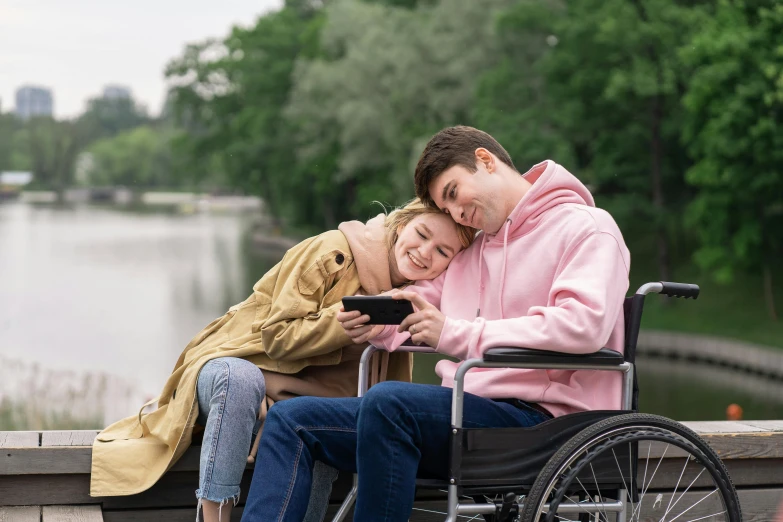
[(353, 323), (425, 324)]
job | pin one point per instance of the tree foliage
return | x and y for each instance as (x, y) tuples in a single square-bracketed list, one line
[(597, 84), (733, 132)]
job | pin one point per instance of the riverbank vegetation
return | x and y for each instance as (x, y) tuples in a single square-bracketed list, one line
[(670, 110)]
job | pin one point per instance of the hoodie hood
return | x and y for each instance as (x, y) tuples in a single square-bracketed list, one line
[(553, 185), (368, 246)]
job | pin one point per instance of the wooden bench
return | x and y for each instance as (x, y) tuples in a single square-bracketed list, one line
[(44, 476)]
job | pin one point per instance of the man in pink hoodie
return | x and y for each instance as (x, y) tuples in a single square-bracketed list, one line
[(549, 271)]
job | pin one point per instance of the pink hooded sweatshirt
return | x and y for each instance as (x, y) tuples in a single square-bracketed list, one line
[(553, 278)]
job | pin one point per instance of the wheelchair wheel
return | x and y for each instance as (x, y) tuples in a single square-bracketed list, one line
[(633, 468)]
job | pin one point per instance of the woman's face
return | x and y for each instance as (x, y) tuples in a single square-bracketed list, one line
[(426, 246)]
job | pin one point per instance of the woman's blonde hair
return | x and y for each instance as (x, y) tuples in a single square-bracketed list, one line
[(401, 216)]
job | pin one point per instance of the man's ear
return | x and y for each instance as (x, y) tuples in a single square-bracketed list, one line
[(485, 158)]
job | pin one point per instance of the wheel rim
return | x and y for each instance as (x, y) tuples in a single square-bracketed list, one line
[(684, 486)]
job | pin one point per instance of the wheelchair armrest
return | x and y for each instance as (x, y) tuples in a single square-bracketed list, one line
[(603, 357), (415, 348)]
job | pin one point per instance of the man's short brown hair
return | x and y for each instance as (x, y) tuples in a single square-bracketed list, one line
[(449, 147)]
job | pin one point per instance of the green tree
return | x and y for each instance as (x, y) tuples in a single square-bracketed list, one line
[(8, 127), (229, 96), (599, 82), (389, 77), (107, 117), (52, 147), (139, 158), (733, 131)]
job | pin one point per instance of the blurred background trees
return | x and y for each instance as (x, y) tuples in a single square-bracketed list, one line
[(670, 110)]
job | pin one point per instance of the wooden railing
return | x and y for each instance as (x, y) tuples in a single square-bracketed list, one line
[(44, 476)]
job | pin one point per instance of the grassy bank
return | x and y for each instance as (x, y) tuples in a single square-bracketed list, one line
[(30, 415)]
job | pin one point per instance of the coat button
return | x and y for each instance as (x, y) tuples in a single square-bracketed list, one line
[(340, 259)]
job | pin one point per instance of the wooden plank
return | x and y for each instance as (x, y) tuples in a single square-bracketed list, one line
[(68, 438), (190, 460), (18, 439), (743, 472), (169, 515), (766, 445), (56, 460), (72, 514), (421, 513), (767, 425), (77, 459), (20, 514), (758, 505), (714, 427), (45, 461)]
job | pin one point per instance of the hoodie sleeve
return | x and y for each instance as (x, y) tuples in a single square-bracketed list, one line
[(584, 304), (431, 290)]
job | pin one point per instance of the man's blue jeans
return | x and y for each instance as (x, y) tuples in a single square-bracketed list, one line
[(396, 432)]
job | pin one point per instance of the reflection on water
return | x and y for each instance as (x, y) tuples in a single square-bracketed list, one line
[(686, 391), (96, 301), (88, 289)]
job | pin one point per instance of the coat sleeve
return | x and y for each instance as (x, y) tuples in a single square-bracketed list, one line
[(297, 326)]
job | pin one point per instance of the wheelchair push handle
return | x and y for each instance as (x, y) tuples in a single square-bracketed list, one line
[(685, 290)]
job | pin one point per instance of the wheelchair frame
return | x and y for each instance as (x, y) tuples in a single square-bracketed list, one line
[(535, 359)]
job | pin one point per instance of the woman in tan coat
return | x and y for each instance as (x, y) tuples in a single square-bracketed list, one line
[(281, 342)]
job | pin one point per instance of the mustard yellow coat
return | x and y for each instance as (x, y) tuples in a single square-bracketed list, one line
[(287, 324)]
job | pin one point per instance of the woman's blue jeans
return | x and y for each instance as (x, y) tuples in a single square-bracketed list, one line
[(396, 432), (230, 391)]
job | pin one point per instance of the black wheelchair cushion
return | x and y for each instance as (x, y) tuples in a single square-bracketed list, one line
[(603, 357)]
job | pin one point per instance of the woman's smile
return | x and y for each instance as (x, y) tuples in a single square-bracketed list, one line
[(416, 262)]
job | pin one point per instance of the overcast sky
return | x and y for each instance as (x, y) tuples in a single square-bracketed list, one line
[(75, 47)]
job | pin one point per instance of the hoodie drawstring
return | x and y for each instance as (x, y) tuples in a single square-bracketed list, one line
[(481, 271), (503, 270)]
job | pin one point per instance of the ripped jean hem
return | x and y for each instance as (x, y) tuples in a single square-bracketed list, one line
[(231, 493), (223, 502)]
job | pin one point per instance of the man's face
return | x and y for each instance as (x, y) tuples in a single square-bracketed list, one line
[(471, 199)]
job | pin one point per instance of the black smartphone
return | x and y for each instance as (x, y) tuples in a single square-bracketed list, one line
[(382, 309)]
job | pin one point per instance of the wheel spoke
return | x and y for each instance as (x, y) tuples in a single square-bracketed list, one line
[(674, 493), (644, 479), (708, 516), (644, 489), (686, 490), (599, 491), (590, 497), (696, 504)]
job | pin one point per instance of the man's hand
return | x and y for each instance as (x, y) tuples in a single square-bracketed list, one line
[(353, 323), (425, 324)]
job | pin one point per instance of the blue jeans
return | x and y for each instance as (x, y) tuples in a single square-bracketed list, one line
[(229, 392), (398, 430)]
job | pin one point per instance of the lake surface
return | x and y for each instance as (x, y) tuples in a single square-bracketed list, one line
[(99, 302)]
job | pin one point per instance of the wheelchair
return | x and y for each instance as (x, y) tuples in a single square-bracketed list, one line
[(599, 466)]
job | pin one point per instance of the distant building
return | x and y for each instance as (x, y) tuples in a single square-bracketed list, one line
[(33, 101), (115, 92)]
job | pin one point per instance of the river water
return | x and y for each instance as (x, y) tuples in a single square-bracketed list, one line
[(97, 303)]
